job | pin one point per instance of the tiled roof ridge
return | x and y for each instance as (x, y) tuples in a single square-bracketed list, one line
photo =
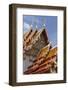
[(34, 36), (37, 65), (27, 34)]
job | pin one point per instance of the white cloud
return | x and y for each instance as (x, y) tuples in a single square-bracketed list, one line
[(26, 27)]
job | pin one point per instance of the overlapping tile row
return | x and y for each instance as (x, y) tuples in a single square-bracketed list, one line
[(39, 51)]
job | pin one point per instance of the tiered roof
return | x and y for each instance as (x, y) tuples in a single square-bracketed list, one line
[(36, 43)]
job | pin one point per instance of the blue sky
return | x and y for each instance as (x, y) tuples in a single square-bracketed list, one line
[(50, 25)]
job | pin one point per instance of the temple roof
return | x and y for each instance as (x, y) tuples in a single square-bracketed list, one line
[(32, 36), (43, 64)]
